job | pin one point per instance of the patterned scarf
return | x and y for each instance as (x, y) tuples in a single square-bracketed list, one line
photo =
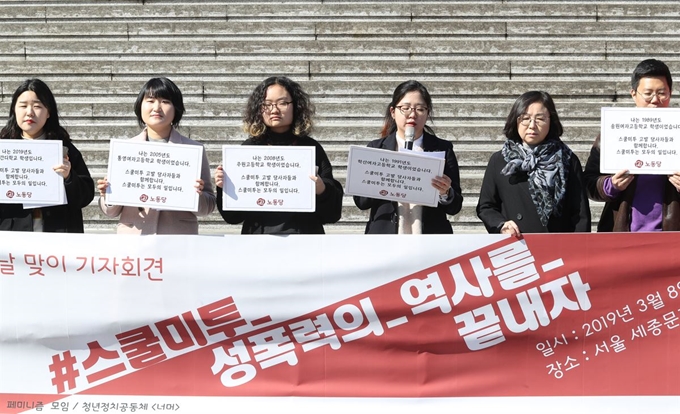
[(547, 165)]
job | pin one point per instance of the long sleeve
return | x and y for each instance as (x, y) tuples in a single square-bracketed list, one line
[(328, 203), (206, 200), (593, 179), (364, 203), (452, 171), (489, 205), (79, 184), (109, 211), (230, 216), (579, 205)]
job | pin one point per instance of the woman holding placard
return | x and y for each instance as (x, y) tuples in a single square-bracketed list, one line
[(159, 109), (535, 183), (406, 126), (637, 202), (279, 112), (33, 115)]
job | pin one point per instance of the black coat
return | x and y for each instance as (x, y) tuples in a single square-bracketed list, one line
[(67, 218), (328, 203), (384, 216), (504, 198)]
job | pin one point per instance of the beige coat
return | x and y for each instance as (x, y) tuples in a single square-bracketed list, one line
[(140, 220)]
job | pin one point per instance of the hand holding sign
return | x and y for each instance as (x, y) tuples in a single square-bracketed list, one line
[(675, 180), (622, 179), (319, 185), (63, 169)]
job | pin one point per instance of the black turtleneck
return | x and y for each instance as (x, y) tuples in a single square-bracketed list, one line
[(274, 138)]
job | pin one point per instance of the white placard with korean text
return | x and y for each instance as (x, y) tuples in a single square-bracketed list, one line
[(398, 176), (269, 178), (155, 175), (27, 173), (641, 140)]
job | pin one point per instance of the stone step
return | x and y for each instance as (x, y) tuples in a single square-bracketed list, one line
[(323, 50), (445, 110), (154, 29), (296, 11), (362, 89), (469, 29), (477, 71), (272, 11), (209, 90), (501, 29), (612, 29), (103, 29), (255, 71), (124, 70), (412, 11), (318, 49)]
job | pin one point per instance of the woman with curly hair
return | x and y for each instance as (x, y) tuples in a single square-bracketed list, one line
[(279, 112), (535, 183), (33, 115)]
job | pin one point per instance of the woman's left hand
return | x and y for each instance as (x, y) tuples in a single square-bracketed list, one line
[(442, 184), (319, 184), (64, 169), (199, 186)]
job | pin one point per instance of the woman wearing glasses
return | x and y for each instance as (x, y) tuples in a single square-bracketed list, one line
[(534, 184), (638, 202), (279, 112), (411, 107)]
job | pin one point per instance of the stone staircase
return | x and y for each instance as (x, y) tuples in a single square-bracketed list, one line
[(475, 57)]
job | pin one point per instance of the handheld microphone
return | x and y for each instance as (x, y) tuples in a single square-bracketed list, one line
[(409, 133)]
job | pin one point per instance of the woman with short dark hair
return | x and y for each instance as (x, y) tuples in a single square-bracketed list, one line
[(535, 183), (159, 109), (637, 202)]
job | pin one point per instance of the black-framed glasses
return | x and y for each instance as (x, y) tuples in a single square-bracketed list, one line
[(269, 106), (539, 121), (406, 110), (661, 95)]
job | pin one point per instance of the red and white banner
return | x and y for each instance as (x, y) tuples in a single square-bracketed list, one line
[(548, 323)]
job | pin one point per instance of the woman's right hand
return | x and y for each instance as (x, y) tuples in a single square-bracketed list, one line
[(219, 176), (510, 227), (102, 185)]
